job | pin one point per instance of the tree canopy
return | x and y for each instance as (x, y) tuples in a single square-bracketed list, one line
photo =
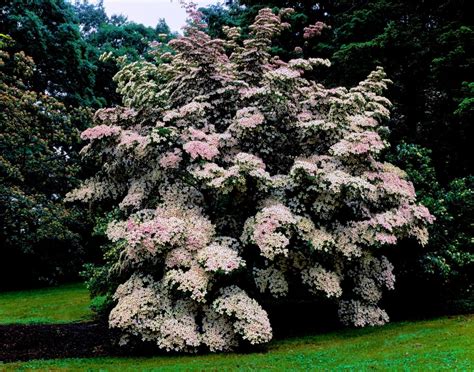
[(39, 139)]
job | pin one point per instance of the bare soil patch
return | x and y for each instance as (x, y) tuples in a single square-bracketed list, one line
[(47, 341)]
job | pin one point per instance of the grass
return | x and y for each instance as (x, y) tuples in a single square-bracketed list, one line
[(439, 344), (64, 304)]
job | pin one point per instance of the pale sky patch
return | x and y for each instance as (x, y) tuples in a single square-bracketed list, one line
[(148, 12)]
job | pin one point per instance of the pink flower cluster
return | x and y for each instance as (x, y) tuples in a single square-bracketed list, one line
[(194, 281), (218, 331), (100, 131), (200, 149), (130, 138), (249, 118), (359, 143), (271, 279), (361, 315), (392, 184), (314, 30), (171, 159), (145, 240), (145, 309)]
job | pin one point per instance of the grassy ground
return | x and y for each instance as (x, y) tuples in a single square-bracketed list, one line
[(63, 304), (439, 344)]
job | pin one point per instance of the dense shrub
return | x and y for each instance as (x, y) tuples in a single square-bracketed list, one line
[(238, 178)]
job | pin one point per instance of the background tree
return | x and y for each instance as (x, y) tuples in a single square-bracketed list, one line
[(40, 238), (438, 278), (66, 40), (119, 38), (426, 48), (45, 104), (48, 31)]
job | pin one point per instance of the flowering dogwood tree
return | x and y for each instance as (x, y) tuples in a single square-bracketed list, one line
[(230, 164)]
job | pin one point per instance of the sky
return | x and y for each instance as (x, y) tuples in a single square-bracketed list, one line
[(149, 12)]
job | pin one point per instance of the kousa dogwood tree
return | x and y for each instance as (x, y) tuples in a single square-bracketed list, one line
[(230, 164)]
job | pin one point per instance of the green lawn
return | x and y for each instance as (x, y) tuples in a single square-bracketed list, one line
[(68, 303), (439, 344)]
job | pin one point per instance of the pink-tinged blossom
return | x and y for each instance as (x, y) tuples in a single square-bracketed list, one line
[(201, 149), (392, 184), (93, 190), (248, 162), (219, 258), (300, 64), (384, 238), (218, 332), (283, 74), (199, 233), (367, 289), (134, 198), (249, 120), (199, 135), (252, 92), (114, 115), (359, 143), (218, 178), (179, 257), (319, 238), (382, 271), (305, 116), (361, 122), (130, 138), (145, 240), (314, 30), (194, 281), (265, 230), (171, 159), (422, 213), (100, 131), (303, 166), (191, 108), (180, 332), (320, 62), (271, 279), (144, 309)]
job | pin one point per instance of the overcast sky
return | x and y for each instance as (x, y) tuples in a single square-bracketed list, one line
[(149, 12)]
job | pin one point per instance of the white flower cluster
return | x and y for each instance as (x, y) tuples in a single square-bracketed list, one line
[(272, 279), (321, 280), (267, 230), (219, 257), (251, 320)]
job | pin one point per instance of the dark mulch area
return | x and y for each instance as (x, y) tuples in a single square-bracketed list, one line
[(46, 341)]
